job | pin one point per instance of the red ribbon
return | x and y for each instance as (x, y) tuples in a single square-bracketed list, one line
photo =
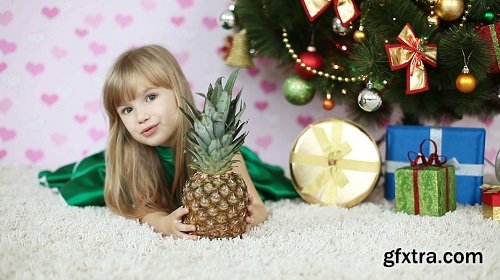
[(420, 161)]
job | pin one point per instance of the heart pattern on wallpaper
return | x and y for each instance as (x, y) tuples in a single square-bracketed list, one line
[(59, 139), (177, 20), (123, 20), (34, 155), (7, 47), (488, 121), (35, 68), (97, 134), (81, 32), (254, 71), (148, 5), (89, 68), (264, 141), (50, 12), (210, 22), (80, 118), (264, 61), (60, 55), (59, 52), (261, 105), (491, 154), (3, 66), (6, 17), (93, 20), (93, 106), (49, 98), (182, 57), (185, 3), (7, 134), (304, 120), (268, 87), (5, 105), (97, 48)]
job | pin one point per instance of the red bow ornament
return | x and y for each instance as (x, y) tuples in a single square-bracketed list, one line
[(346, 10), (412, 53)]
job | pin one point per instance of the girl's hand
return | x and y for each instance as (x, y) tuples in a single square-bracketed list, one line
[(175, 227), (249, 218)]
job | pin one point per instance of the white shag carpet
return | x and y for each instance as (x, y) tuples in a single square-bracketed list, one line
[(40, 238)]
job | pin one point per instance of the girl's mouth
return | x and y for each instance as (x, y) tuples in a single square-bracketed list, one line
[(150, 130)]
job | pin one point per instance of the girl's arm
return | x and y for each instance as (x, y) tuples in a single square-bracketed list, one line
[(170, 224), (257, 209)]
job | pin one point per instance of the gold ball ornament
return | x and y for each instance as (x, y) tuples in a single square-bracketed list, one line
[(359, 36), (449, 10), (466, 82)]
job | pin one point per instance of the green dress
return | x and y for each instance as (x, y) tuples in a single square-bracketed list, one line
[(82, 183)]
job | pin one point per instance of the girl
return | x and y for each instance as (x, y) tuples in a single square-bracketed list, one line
[(144, 166)]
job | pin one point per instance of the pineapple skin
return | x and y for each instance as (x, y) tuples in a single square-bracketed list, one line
[(217, 204)]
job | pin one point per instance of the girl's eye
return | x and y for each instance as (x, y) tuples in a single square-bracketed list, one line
[(126, 110), (151, 97)]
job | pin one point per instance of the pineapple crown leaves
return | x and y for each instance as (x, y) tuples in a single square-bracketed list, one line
[(215, 137)]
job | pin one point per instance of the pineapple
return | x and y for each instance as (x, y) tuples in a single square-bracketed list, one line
[(216, 196)]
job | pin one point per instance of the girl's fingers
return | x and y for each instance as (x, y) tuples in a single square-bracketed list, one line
[(250, 199), (182, 235), (179, 212), (248, 219), (185, 227)]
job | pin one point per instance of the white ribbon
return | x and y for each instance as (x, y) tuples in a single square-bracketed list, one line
[(461, 169)]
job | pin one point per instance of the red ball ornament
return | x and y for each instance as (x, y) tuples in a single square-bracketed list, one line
[(310, 58), (328, 104)]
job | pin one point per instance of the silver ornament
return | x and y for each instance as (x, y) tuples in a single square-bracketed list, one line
[(338, 28), (227, 19), (369, 98)]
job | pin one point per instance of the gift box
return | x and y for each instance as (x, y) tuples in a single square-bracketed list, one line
[(425, 190), (491, 201), (491, 35), (334, 162), (464, 148)]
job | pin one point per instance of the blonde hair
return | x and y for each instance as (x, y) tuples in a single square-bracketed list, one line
[(135, 183)]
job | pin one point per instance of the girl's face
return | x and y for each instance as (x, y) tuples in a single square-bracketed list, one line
[(151, 117)]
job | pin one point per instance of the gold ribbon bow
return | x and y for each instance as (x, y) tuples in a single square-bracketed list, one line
[(491, 188), (346, 10), (411, 53), (325, 185)]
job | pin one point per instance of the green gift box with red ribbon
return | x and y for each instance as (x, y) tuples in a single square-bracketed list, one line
[(427, 186)]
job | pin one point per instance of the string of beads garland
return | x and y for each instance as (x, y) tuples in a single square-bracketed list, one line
[(466, 13), (314, 71)]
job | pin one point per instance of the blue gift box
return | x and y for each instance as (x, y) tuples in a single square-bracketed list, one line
[(464, 148)]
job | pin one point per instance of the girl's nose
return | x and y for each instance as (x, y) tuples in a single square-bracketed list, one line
[(143, 117)]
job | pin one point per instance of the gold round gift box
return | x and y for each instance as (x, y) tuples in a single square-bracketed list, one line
[(334, 162)]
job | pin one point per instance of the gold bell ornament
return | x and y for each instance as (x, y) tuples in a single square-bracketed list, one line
[(239, 55)]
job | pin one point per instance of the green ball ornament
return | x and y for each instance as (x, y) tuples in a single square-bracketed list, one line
[(489, 17), (298, 91)]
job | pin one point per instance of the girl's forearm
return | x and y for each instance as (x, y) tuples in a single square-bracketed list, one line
[(259, 214), (155, 219)]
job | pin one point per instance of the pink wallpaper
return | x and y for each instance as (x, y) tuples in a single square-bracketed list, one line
[(54, 56)]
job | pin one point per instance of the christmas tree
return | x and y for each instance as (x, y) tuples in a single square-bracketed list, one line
[(434, 60)]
